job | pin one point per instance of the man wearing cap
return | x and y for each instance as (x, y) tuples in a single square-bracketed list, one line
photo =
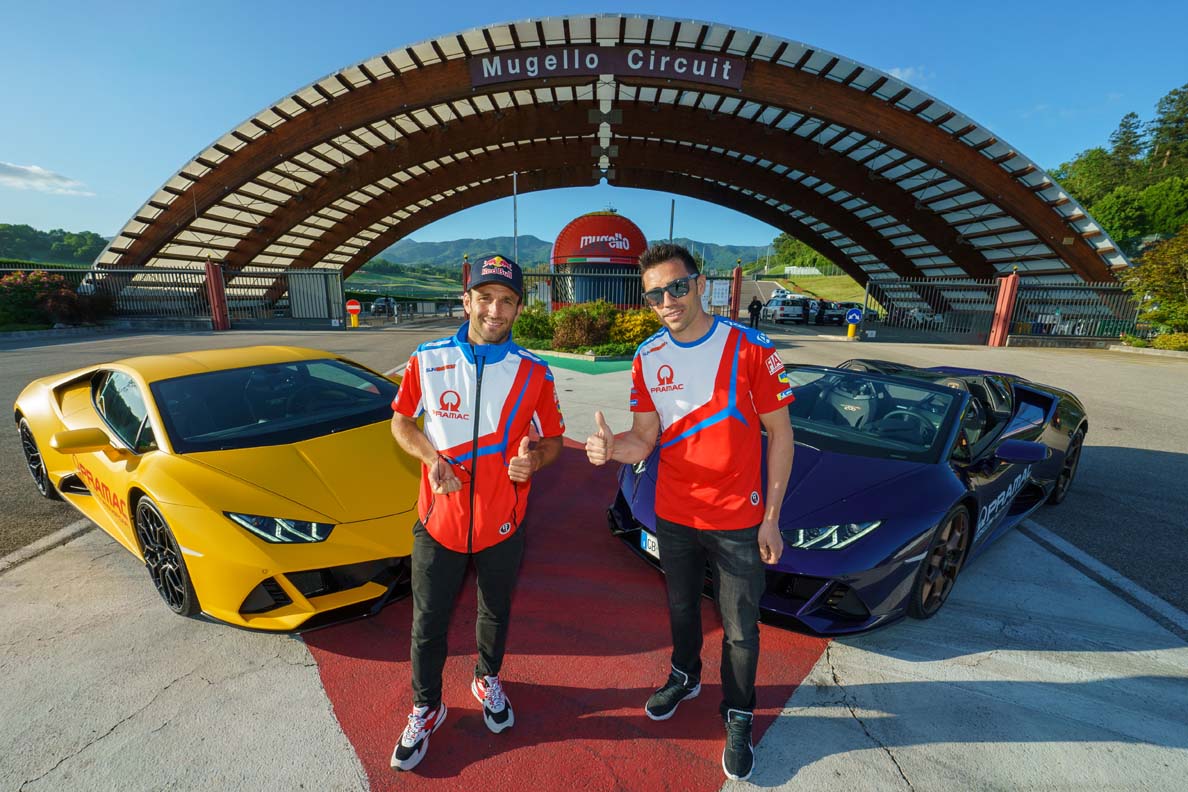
[(479, 394)]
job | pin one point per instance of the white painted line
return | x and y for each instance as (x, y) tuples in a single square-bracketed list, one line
[(1122, 583), (398, 370), (45, 544)]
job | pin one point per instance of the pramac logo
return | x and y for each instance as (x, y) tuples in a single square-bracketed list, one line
[(449, 403), (664, 380)]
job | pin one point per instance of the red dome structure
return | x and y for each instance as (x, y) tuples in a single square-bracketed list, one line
[(599, 238), (596, 257)]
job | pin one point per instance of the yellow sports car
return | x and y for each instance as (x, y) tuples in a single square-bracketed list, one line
[(261, 486)]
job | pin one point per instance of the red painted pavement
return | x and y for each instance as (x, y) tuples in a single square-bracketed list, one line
[(588, 643)]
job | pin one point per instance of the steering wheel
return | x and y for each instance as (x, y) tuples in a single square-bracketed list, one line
[(907, 418)]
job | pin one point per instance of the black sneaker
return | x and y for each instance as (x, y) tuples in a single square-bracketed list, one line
[(414, 742), (679, 687), (497, 711), (738, 757)]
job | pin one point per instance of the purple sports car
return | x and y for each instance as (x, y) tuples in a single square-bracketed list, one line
[(901, 477)]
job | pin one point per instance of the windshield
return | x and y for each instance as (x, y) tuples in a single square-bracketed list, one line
[(270, 404), (853, 412)]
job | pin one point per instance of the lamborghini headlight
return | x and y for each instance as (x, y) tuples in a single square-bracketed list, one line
[(282, 531), (828, 537)]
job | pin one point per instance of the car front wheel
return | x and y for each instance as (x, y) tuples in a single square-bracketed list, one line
[(1072, 460), (163, 559), (35, 463), (941, 564)]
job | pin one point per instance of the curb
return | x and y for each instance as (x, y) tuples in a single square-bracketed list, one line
[(578, 356), (45, 544), (1144, 351)]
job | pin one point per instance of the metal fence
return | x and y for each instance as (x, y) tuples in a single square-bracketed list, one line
[(1081, 310), (253, 295), (959, 310), (963, 310)]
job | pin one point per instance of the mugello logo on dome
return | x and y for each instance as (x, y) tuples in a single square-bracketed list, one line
[(614, 241), (664, 377), (449, 403)]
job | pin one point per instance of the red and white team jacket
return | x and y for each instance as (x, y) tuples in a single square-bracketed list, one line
[(478, 402), (709, 395)]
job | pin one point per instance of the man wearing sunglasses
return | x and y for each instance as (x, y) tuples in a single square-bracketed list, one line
[(702, 387), (478, 393)]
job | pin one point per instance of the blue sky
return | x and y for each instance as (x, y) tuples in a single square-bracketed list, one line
[(102, 102)]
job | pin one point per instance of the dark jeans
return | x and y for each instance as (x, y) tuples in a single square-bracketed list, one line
[(754, 320), (437, 574), (739, 580)]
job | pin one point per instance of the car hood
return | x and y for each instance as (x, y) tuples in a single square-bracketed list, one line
[(359, 474), (853, 488), (825, 485)]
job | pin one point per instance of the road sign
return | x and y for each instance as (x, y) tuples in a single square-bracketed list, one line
[(854, 316), (353, 307)]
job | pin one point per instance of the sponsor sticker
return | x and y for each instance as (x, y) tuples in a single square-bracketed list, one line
[(774, 363), (505, 529), (754, 498)]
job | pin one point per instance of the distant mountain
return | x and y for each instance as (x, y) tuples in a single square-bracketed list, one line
[(534, 250)]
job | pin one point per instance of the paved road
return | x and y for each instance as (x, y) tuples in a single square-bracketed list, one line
[(1129, 508), (1032, 677)]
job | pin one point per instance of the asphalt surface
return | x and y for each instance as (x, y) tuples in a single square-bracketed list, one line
[(1129, 507), (1033, 676)]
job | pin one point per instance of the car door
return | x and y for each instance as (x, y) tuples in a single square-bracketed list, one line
[(994, 482), (110, 473)]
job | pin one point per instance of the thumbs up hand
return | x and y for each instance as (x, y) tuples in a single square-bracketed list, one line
[(600, 446), (521, 467)]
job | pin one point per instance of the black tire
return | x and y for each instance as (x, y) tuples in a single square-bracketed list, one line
[(1068, 471), (942, 563), (163, 559), (35, 463)]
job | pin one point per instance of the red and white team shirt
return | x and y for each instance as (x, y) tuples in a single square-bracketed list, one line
[(709, 395), (478, 403)]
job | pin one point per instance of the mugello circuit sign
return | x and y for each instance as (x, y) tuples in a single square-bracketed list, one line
[(545, 62)]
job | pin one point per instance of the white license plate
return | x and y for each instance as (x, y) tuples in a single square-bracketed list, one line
[(649, 544)]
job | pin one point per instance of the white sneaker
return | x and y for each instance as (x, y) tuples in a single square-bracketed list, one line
[(497, 711), (414, 742)]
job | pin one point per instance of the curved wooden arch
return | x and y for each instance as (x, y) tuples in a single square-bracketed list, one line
[(635, 154), (765, 83), (690, 126)]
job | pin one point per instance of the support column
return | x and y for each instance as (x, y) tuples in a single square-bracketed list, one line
[(735, 293), (1004, 310), (217, 296)]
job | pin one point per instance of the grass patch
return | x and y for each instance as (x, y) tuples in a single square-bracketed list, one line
[(13, 328)]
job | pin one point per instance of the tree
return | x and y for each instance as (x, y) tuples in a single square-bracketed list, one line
[(1090, 176), (1169, 134), (1165, 205), (1126, 146), (1122, 214), (1160, 283)]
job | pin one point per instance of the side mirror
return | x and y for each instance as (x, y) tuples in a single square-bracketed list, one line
[(80, 441), (1022, 452)]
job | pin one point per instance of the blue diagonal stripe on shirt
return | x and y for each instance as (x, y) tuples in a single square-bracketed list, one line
[(729, 411)]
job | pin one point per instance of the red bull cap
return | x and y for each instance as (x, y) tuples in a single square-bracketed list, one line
[(498, 269)]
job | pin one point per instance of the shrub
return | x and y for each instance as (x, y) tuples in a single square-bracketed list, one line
[(634, 327), (534, 322), (1174, 341), (33, 297), (1134, 341), (613, 349), (582, 326)]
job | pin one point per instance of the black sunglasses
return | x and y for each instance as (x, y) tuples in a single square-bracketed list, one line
[(678, 288)]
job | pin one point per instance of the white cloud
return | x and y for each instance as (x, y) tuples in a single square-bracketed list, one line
[(909, 74), (31, 177)]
